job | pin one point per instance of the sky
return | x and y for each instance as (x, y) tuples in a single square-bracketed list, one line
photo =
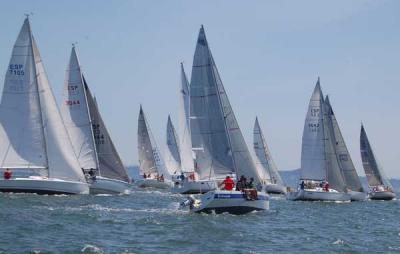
[(269, 55)]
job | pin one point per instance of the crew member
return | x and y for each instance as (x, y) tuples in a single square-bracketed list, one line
[(7, 174), (228, 183)]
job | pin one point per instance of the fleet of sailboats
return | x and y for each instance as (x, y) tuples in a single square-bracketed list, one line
[(68, 149)]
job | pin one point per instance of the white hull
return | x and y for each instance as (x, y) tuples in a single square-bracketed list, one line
[(194, 187), (381, 195), (43, 186), (104, 185), (357, 196), (318, 195), (234, 202), (153, 183), (275, 189)]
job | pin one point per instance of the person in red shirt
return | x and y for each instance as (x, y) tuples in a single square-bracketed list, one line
[(7, 174), (228, 183)]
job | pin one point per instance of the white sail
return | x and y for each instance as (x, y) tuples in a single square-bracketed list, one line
[(110, 163), (75, 112), (373, 171), (173, 158), (343, 156), (313, 143), (216, 136), (262, 151), (22, 142), (150, 160), (61, 159), (185, 141)]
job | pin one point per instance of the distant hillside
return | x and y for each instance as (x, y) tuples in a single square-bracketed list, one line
[(291, 178)]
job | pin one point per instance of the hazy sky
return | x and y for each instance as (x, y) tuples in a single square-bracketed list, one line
[(269, 55)]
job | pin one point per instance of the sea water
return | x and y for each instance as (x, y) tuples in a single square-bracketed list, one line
[(151, 221)]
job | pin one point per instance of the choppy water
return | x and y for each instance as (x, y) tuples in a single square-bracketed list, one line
[(150, 221)]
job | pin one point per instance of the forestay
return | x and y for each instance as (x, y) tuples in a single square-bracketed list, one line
[(185, 141), (372, 169), (264, 155), (349, 172)]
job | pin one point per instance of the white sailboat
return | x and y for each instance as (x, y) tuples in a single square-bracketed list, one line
[(151, 164), (189, 183), (91, 141), (217, 141), (172, 154), (273, 182), (380, 187), (33, 140), (349, 173), (319, 164)]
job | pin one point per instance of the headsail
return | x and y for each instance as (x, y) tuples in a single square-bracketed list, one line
[(346, 164), (110, 164), (75, 112), (216, 136), (262, 151), (185, 141), (173, 158), (313, 143), (150, 160), (373, 171)]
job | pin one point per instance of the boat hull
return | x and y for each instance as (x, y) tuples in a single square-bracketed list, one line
[(357, 196), (382, 195), (275, 189), (104, 185), (233, 202), (194, 187), (153, 183), (38, 185), (317, 195)]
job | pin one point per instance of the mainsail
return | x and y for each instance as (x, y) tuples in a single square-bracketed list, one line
[(185, 141), (150, 160), (34, 134), (343, 156), (216, 137), (173, 158), (263, 154), (373, 171)]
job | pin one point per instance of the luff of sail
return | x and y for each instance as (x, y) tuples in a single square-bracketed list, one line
[(313, 144), (110, 163), (262, 151), (40, 110), (185, 141), (75, 112), (173, 158), (373, 171), (349, 172), (216, 136), (150, 160)]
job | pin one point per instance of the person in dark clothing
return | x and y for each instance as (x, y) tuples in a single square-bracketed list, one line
[(7, 174), (240, 185), (302, 185), (144, 176), (250, 185), (92, 174)]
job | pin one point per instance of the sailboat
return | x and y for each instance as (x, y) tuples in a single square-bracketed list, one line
[(380, 187), (151, 164), (218, 143), (34, 143), (274, 183), (319, 164), (91, 141), (349, 173), (172, 154), (187, 181)]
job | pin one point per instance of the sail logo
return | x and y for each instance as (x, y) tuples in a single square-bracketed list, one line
[(16, 69)]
